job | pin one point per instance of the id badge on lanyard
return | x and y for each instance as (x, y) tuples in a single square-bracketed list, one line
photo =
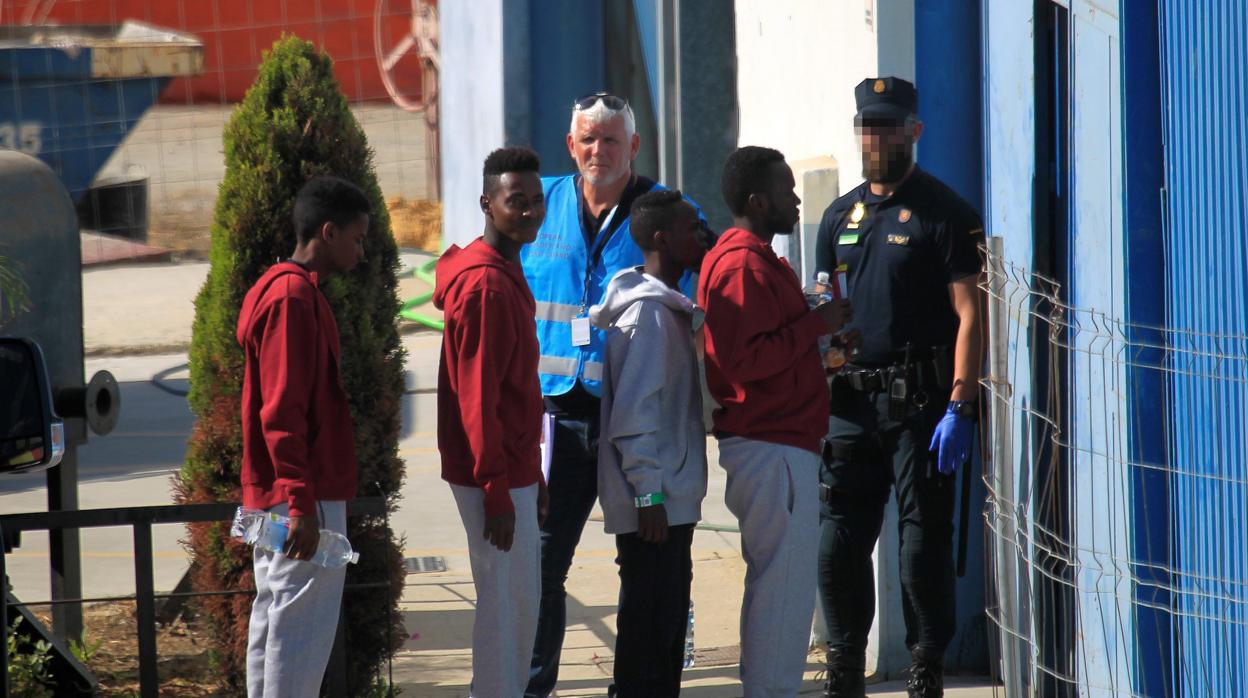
[(580, 330), (580, 323)]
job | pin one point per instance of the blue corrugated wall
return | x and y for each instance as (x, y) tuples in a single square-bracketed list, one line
[(1205, 54)]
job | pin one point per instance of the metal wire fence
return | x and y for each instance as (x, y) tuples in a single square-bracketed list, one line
[(127, 101), (1116, 498)]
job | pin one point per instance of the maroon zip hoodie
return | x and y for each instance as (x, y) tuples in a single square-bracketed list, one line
[(489, 397), (762, 356), (298, 440)]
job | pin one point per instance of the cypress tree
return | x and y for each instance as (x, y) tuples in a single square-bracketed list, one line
[(294, 124)]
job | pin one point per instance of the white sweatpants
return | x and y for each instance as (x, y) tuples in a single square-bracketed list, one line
[(508, 591), (294, 617), (773, 490)]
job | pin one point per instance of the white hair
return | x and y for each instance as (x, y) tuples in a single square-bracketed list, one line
[(599, 113)]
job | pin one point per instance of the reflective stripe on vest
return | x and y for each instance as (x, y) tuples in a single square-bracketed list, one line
[(556, 312), (592, 371), (557, 365), (562, 366)]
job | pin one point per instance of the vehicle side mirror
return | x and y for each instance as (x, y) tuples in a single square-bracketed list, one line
[(32, 436)]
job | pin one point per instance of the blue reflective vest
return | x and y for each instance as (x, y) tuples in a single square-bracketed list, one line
[(567, 277)]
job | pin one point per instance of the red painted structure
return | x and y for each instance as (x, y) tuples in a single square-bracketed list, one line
[(235, 32)]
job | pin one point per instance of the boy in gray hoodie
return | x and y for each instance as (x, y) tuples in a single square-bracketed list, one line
[(652, 453)]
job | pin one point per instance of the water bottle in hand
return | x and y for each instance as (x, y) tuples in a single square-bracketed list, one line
[(831, 348), (268, 531)]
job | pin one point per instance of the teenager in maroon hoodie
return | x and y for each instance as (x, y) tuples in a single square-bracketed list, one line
[(490, 419), (298, 442), (764, 370)]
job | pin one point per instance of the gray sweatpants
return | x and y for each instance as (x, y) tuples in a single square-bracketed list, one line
[(508, 586), (294, 617), (773, 490)]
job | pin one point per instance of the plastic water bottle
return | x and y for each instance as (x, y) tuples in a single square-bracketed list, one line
[(689, 638), (268, 531), (829, 345)]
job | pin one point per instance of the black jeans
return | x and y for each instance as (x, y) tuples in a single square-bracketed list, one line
[(867, 452), (654, 613), (573, 489)]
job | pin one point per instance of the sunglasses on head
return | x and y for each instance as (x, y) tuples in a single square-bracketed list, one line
[(609, 100)]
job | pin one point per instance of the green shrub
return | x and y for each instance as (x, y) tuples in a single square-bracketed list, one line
[(28, 665), (294, 124), (14, 294)]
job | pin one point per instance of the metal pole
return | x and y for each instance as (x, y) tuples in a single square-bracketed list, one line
[(667, 110), (4, 620), (335, 682), (1000, 469), (64, 551), (149, 680)]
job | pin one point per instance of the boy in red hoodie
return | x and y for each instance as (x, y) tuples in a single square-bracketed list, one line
[(764, 370), (490, 419), (293, 397)]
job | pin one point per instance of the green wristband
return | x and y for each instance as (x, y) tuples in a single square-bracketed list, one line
[(649, 500)]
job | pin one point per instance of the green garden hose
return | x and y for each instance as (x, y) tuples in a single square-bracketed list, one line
[(408, 310)]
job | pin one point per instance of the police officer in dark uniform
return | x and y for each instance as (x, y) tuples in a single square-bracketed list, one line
[(904, 408)]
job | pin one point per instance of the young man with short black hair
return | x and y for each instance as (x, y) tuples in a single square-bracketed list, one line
[(490, 418), (292, 395), (584, 242), (764, 370), (652, 452)]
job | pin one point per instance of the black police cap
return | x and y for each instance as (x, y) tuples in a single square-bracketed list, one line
[(886, 98)]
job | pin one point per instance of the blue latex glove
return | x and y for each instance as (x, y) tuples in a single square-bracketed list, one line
[(952, 441)]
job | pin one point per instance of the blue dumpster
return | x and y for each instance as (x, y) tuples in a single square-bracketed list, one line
[(70, 94)]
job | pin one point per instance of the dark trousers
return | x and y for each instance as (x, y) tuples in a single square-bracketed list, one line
[(573, 488), (867, 453), (654, 613)]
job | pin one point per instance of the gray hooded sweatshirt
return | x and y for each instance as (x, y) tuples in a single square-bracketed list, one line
[(653, 438)]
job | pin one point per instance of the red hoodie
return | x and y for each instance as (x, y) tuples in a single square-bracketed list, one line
[(489, 397), (298, 440), (762, 357)]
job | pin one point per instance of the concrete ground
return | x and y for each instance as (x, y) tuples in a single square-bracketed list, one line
[(132, 311)]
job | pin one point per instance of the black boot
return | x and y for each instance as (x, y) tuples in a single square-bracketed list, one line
[(926, 676), (845, 675)]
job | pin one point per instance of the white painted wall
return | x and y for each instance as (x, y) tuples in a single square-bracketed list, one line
[(798, 64), (472, 114)]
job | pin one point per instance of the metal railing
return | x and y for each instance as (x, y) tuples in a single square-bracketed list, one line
[(141, 520)]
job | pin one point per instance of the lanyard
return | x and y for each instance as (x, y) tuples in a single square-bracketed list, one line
[(593, 259)]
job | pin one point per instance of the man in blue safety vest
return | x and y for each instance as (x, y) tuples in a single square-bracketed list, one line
[(583, 242)]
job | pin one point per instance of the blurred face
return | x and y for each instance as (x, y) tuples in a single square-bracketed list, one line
[(782, 211), (603, 151), (686, 241), (346, 242), (887, 148), (516, 206)]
